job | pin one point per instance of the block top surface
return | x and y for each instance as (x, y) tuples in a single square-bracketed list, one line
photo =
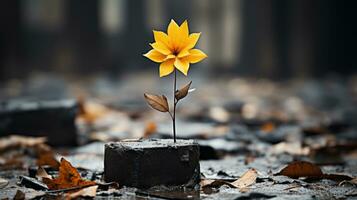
[(151, 143)]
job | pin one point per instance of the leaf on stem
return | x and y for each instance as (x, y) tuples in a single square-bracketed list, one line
[(182, 93), (157, 102)]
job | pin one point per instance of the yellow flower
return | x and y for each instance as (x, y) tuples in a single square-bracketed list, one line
[(175, 49)]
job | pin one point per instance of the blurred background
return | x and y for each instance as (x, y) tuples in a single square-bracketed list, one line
[(276, 39), (280, 78)]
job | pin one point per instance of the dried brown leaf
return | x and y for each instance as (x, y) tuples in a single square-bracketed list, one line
[(3, 183), (68, 178), (48, 159), (182, 93), (206, 182), (16, 162), (16, 141), (19, 195), (157, 102), (301, 169), (85, 192), (247, 179), (337, 177), (41, 173), (351, 182), (150, 129), (268, 127), (214, 183), (308, 170), (91, 111), (45, 156)]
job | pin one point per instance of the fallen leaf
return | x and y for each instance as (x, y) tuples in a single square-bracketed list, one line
[(157, 102), (68, 177), (16, 141), (3, 183), (150, 129), (41, 173), (337, 177), (206, 182), (85, 192), (292, 148), (48, 159), (301, 169), (34, 194), (91, 111), (45, 156), (247, 179), (12, 163), (306, 169), (214, 183), (351, 182), (182, 93), (268, 127), (19, 195)]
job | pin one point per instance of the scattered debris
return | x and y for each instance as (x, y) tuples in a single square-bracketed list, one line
[(239, 124), (32, 183)]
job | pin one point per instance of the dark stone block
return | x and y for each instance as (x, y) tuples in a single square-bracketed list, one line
[(52, 119), (154, 162)]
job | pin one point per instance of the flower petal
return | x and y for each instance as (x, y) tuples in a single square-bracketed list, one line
[(167, 67), (161, 37), (173, 30), (195, 56), (182, 38), (170, 57), (155, 56), (192, 40), (160, 47), (184, 29), (183, 53), (182, 65)]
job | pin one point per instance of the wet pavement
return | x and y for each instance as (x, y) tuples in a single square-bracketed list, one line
[(239, 124)]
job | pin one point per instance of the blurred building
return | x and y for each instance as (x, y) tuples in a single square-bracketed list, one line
[(271, 38)]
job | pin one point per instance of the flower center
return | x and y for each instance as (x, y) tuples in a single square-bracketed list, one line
[(175, 51)]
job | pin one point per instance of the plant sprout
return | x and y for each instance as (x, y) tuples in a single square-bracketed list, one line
[(175, 51)]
